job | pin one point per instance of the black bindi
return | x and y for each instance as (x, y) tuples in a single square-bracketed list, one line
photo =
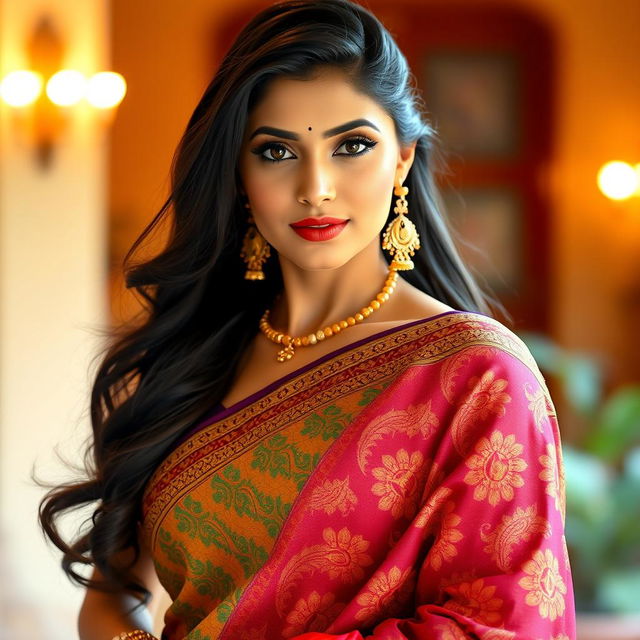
[(309, 128)]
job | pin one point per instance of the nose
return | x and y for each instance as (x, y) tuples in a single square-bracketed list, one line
[(316, 184)]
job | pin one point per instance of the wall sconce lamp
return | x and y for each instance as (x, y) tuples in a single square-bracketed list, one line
[(619, 180), (43, 96)]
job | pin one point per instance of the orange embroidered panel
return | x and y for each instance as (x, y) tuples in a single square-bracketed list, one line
[(334, 378)]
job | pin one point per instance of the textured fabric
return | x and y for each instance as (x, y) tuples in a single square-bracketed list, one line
[(407, 486)]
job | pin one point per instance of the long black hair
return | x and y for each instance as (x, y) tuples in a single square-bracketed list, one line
[(161, 375)]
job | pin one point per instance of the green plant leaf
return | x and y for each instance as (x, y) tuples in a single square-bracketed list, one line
[(617, 427), (632, 465), (582, 383), (618, 591), (545, 352), (588, 483), (625, 521)]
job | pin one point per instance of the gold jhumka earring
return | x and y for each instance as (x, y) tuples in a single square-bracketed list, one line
[(255, 251), (401, 237)]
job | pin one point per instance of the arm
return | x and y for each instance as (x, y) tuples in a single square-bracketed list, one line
[(105, 615)]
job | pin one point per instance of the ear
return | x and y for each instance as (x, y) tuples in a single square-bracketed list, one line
[(406, 154)]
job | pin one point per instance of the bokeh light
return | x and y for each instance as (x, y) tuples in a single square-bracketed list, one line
[(618, 180), (21, 88), (67, 87), (106, 89)]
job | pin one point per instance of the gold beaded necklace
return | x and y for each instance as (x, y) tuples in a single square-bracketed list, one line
[(290, 342)]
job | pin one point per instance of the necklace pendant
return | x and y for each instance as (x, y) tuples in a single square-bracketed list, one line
[(285, 354)]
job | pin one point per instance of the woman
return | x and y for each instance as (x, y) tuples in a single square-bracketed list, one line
[(318, 431)]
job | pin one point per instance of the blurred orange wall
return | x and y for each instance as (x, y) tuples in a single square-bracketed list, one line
[(167, 57)]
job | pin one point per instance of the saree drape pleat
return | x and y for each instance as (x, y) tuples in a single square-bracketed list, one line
[(407, 486)]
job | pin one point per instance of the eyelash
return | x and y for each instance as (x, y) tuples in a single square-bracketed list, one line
[(367, 142)]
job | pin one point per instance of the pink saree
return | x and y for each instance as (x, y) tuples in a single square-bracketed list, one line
[(409, 485)]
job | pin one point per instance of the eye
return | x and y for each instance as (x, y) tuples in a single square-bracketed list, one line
[(356, 146), (273, 152)]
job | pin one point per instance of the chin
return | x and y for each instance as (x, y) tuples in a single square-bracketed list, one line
[(318, 263)]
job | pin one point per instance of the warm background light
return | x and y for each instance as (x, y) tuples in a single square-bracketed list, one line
[(21, 88), (66, 87), (106, 89), (618, 180)]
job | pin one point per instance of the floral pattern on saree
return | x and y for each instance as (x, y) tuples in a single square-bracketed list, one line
[(408, 487)]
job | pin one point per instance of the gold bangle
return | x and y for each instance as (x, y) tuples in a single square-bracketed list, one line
[(138, 634)]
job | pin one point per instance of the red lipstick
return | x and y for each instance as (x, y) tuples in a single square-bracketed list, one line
[(307, 222), (309, 228)]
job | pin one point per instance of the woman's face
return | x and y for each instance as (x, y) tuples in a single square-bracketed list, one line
[(318, 148)]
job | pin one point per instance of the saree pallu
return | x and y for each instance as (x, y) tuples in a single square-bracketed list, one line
[(409, 485)]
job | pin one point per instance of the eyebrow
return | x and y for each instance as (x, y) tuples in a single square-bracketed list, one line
[(290, 135)]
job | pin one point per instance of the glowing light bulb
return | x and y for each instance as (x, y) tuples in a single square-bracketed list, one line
[(21, 88), (66, 88), (106, 89), (618, 180)]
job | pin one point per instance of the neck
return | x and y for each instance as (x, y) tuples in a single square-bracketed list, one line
[(313, 299)]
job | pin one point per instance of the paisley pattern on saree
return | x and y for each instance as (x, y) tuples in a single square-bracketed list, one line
[(513, 530), (349, 495), (413, 420), (341, 555), (386, 594), (334, 495), (314, 613)]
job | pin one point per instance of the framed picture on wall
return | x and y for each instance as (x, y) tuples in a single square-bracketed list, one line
[(489, 223), (472, 97)]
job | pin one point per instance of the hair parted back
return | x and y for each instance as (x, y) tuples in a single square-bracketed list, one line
[(157, 379)]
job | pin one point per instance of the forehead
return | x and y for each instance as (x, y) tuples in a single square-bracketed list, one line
[(326, 99)]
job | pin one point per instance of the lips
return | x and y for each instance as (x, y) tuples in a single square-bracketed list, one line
[(312, 222), (319, 234)]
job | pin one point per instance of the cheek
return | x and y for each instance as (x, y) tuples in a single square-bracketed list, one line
[(267, 194), (370, 185)]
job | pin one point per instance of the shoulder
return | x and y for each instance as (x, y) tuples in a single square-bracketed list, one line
[(410, 302), (422, 313), (494, 382), (474, 352), (488, 341)]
